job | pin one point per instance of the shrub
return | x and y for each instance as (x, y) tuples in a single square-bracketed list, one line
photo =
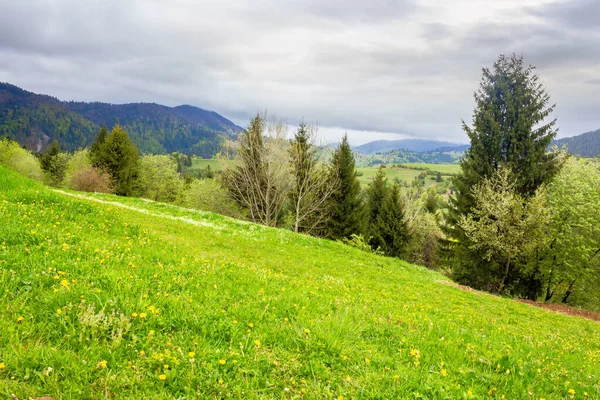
[(208, 195), (20, 160), (82, 176)]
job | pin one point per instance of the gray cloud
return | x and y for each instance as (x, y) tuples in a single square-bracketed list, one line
[(382, 66)]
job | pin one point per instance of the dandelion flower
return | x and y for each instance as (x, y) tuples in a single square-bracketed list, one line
[(20, 319), (250, 325), (443, 372), (162, 377), (191, 354), (2, 366), (572, 392), (222, 362), (307, 331), (257, 343), (102, 364), (143, 315), (59, 311)]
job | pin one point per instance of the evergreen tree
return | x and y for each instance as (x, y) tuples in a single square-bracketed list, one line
[(377, 194), (97, 145), (54, 164), (46, 159), (119, 157), (393, 227), (510, 129), (347, 206)]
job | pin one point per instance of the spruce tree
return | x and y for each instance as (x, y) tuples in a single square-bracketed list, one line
[(46, 159), (393, 226), (377, 194), (95, 147), (119, 157), (510, 129), (347, 206)]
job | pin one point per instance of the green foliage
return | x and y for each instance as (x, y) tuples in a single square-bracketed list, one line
[(359, 242), (20, 160), (119, 157), (35, 120), (260, 179), (347, 216), (510, 130), (54, 164), (505, 226), (377, 197), (209, 195), (82, 176), (309, 203), (570, 265), (158, 178), (312, 317), (392, 225)]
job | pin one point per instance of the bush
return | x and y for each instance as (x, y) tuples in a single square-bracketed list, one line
[(57, 169), (359, 242), (82, 176), (208, 195), (158, 178), (20, 160)]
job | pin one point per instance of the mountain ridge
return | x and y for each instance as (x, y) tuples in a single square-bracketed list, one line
[(34, 120)]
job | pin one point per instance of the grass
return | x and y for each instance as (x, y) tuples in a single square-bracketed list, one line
[(443, 168), (201, 163), (107, 297), (407, 172)]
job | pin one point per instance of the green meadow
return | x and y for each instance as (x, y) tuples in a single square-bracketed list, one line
[(111, 297), (407, 172)]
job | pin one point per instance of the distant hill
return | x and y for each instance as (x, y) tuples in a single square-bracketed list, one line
[(407, 156), (418, 145), (35, 120), (585, 145)]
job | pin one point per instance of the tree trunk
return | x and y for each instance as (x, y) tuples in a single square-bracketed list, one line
[(549, 293), (505, 275), (568, 292)]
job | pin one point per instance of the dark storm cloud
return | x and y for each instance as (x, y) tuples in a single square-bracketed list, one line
[(381, 66)]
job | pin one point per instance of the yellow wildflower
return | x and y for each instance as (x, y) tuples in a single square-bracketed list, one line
[(102, 364), (443, 372), (2, 366), (191, 354), (59, 311), (162, 377), (222, 362)]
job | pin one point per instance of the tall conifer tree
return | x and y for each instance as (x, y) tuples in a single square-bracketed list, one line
[(347, 214), (511, 129), (377, 194)]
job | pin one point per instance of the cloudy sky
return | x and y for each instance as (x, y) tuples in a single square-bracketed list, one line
[(376, 68)]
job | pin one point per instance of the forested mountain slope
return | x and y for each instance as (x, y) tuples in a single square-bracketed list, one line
[(35, 120)]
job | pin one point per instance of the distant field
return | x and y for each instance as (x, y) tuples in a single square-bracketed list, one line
[(443, 168), (215, 165), (406, 174), (108, 297)]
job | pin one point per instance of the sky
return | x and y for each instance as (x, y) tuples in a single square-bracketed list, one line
[(377, 69)]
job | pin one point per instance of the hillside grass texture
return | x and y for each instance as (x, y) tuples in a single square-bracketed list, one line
[(108, 297)]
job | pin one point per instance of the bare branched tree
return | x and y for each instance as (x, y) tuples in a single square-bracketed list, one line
[(312, 184), (260, 178)]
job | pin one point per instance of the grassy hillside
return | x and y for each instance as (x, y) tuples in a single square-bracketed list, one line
[(106, 297)]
